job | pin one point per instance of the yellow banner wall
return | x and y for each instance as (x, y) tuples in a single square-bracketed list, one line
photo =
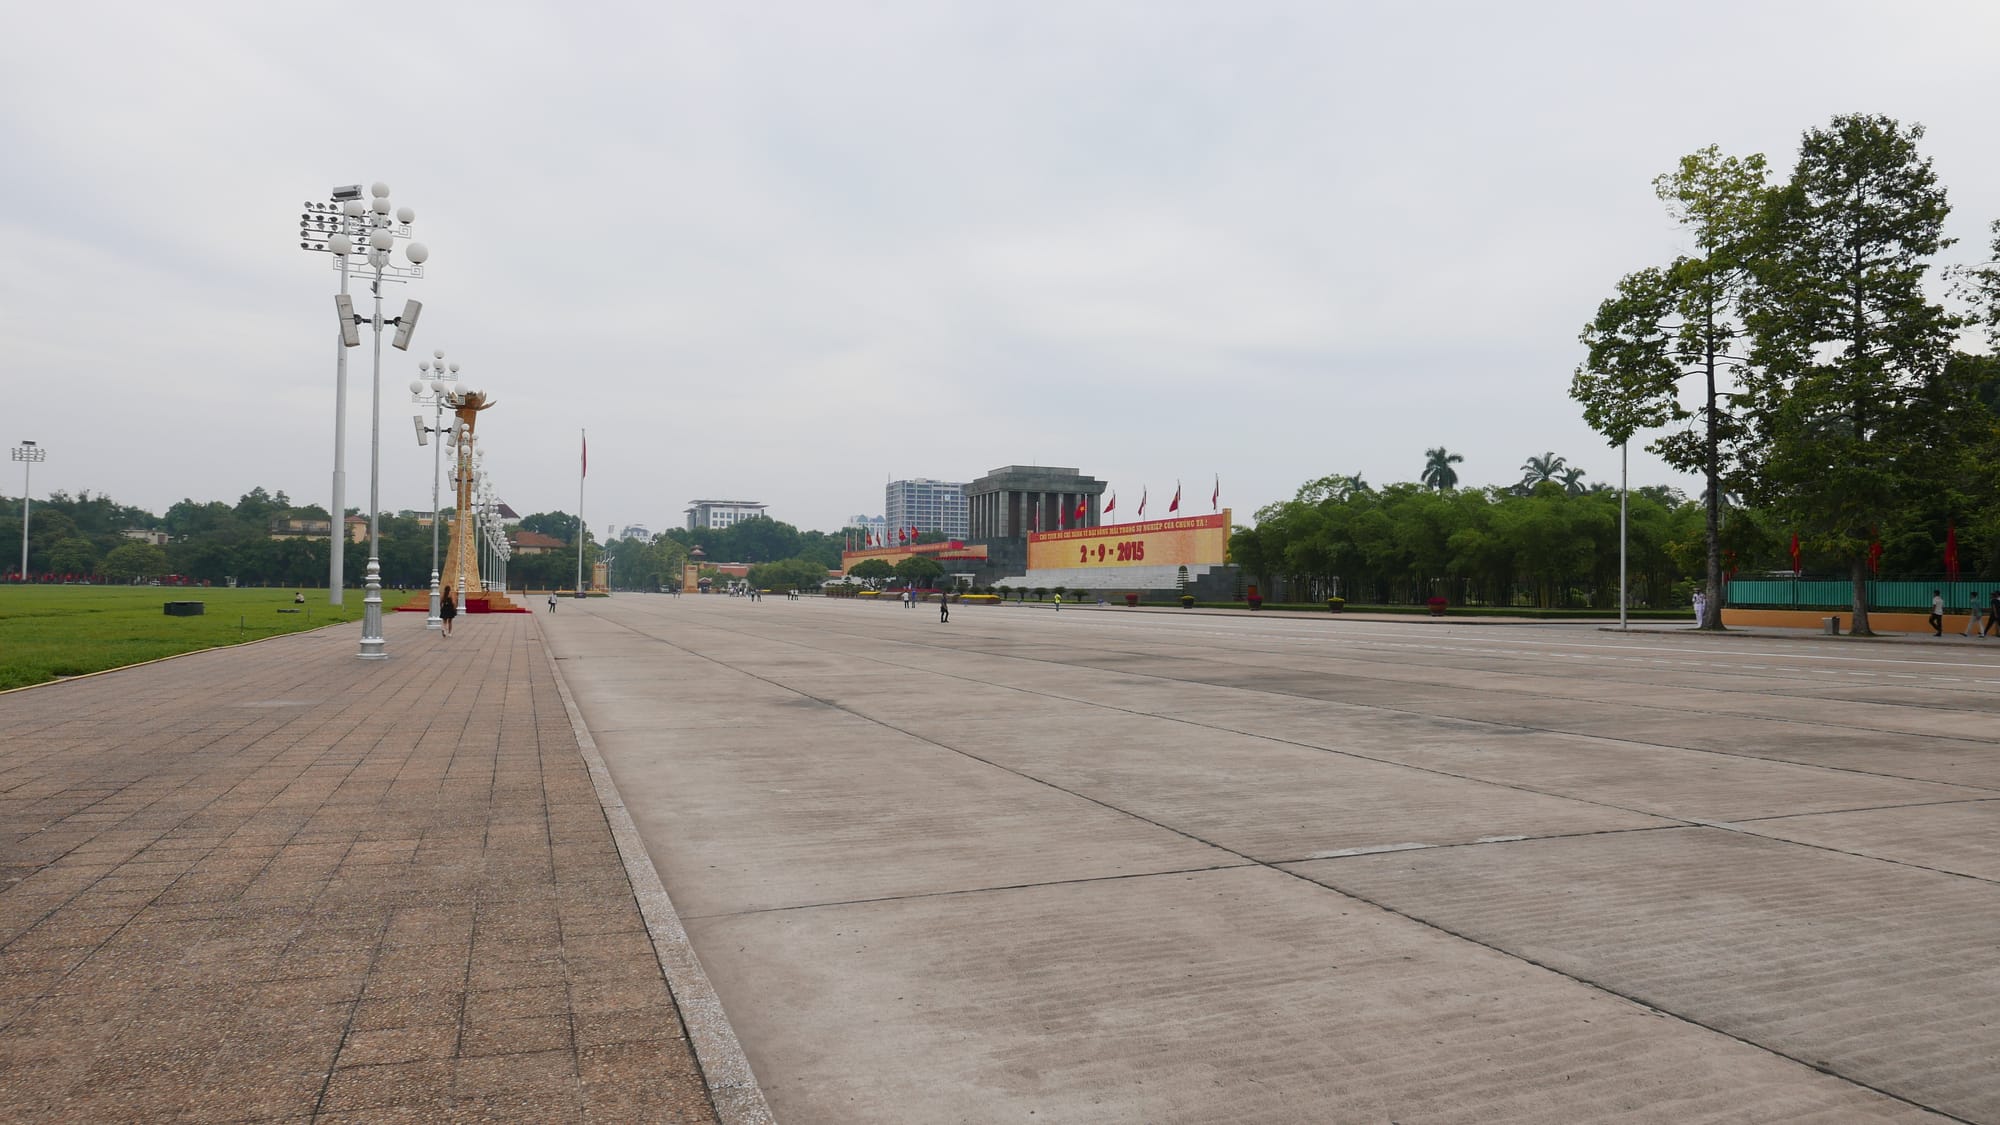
[(1187, 541)]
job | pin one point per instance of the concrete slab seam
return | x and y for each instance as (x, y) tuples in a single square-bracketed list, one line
[(725, 1069)]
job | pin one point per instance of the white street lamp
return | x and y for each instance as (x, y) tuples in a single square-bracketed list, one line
[(338, 227), (27, 453), (440, 391), (381, 231)]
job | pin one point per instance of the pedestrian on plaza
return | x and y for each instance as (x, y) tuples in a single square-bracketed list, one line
[(1700, 608), (944, 608), (1993, 614), (552, 601), (1058, 603), (1972, 623), (1937, 613), (447, 609)]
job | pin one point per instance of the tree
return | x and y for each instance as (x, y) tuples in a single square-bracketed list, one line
[(919, 570), (72, 556), (1854, 412), (1665, 326), (1571, 480), (1535, 470), (1438, 471), (134, 560), (555, 525), (788, 574), (872, 570)]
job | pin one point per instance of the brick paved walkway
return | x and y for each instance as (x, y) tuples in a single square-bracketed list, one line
[(280, 883)]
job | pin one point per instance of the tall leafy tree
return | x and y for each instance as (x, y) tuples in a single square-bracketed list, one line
[(1438, 471), (1853, 408), (1667, 326), (1548, 467)]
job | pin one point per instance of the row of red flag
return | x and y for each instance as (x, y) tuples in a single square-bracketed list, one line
[(1214, 500), (1875, 554)]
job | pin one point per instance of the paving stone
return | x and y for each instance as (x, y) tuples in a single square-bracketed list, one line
[(276, 882)]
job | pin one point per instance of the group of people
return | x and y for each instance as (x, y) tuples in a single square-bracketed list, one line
[(1972, 626)]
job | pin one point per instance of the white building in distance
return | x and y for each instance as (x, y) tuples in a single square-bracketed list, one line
[(710, 515), (927, 505)]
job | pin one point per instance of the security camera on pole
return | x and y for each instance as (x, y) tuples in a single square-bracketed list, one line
[(381, 233), (441, 391)]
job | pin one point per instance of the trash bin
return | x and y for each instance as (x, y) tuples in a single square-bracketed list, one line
[(1832, 626)]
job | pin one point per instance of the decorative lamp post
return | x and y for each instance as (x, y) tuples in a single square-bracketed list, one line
[(440, 391), (466, 406), (381, 231), (27, 453)]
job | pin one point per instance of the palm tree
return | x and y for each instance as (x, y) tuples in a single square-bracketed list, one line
[(1438, 472), (1535, 470), (1571, 480)]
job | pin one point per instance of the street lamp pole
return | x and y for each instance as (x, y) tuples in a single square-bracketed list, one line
[(381, 242), (339, 227), (436, 393), (27, 453)]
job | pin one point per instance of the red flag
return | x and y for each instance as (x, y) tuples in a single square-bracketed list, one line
[(586, 456), (1142, 501), (902, 536), (914, 533), (1080, 509), (1176, 505), (1109, 508), (1795, 553), (1951, 552), (1875, 557), (1215, 498)]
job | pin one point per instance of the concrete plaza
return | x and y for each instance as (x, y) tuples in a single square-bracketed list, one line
[(1131, 866)]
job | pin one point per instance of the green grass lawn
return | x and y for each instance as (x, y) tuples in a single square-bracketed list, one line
[(48, 632)]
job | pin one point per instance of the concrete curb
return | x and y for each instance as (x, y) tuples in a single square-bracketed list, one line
[(725, 1070)]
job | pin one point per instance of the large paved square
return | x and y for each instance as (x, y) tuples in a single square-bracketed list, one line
[(1111, 865)]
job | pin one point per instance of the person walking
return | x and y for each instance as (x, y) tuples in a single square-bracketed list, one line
[(1700, 608), (1937, 613), (552, 601), (1972, 622), (1992, 614), (1058, 603), (944, 608), (447, 609)]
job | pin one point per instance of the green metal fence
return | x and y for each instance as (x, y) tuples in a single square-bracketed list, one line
[(1838, 593)]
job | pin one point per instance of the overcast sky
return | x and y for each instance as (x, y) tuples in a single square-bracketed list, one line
[(788, 251)]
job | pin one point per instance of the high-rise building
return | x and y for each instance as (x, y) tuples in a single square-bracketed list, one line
[(873, 525), (927, 505), (707, 515)]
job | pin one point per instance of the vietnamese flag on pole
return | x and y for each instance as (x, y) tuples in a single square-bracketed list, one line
[(1875, 557), (1215, 498), (1176, 505), (1113, 505), (586, 456), (1080, 510), (1951, 552), (1795, 553), (1142, 501)]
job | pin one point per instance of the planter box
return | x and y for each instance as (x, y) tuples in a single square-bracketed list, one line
[(1131, 599), (186, 609)]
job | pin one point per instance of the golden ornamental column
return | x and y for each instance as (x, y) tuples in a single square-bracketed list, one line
[(461, 561)]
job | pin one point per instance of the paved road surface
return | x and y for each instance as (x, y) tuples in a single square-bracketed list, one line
[(1120, 866)]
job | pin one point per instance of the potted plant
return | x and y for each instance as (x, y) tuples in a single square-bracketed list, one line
[(1256, 600), (1335, 605), (1437, 606), (1187, 601), (1131, 599)]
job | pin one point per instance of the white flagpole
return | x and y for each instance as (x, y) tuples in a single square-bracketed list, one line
[(583, 470)]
